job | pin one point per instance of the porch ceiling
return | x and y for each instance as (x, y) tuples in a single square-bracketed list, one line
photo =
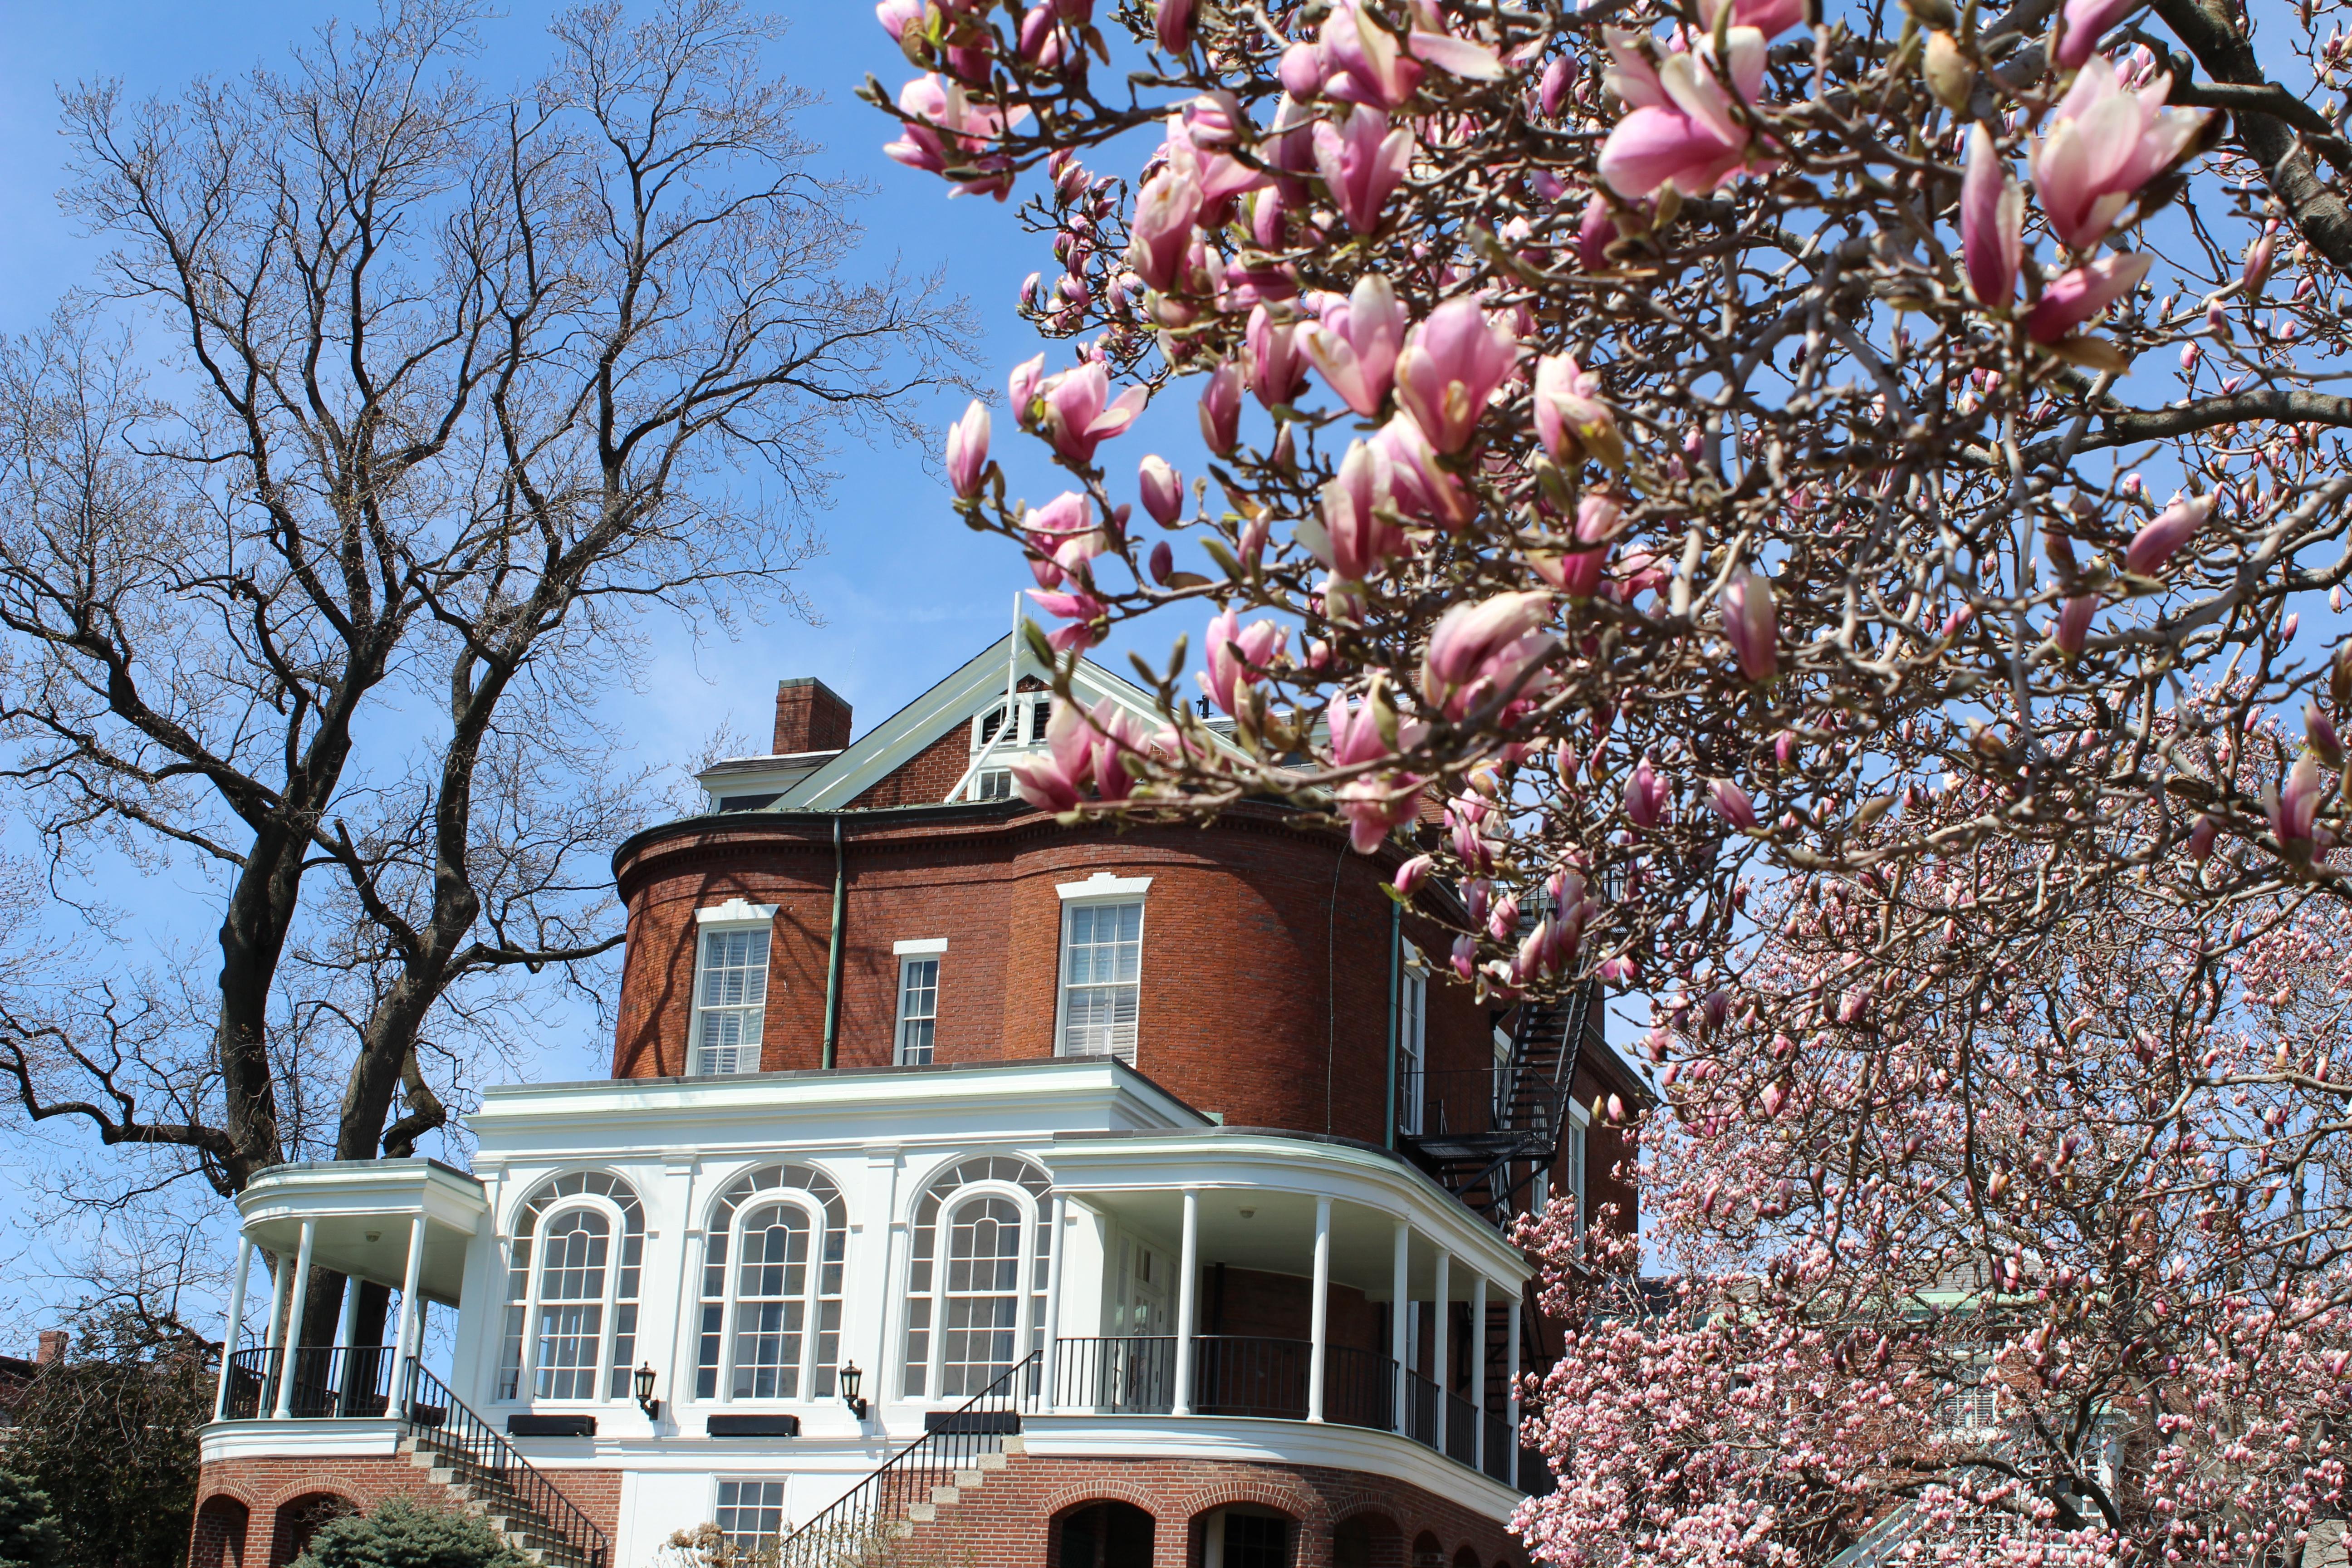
[(363, 1211), (1274, 1232)]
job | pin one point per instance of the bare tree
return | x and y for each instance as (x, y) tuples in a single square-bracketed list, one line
[(458, 388)]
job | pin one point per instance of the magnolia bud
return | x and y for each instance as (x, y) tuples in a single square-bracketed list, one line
[(1950, 75)]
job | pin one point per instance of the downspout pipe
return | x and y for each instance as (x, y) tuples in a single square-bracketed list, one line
[(1396, 939), (832, 950)]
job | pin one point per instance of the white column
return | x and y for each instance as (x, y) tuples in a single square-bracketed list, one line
[(1513, 1438), (236, 1322), (1061, 1241), (1319, 1311), (1024, 1331), (1478, 1369), (1399, 1288), (1438, 1363), (409, 1338), (299, 1283), (1180, 1401), (347, 1322)]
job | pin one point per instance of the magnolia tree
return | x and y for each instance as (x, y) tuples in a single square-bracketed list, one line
[(1748, 461)]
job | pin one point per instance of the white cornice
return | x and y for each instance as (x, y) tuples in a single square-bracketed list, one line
[(736, 911), (1104, 885)]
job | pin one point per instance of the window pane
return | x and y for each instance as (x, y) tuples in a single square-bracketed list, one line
[(733, 994), (983, 1295), (1102, 961), (918, 1008), (570, 1305), (750, 1514), (771, 1306)]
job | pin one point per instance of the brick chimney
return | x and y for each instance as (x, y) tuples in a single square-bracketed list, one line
[(809, 717), (53, 1347)]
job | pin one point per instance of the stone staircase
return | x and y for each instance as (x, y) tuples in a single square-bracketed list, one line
[(479, 1470)]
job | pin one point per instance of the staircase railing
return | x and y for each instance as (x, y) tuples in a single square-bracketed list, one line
[(880, 1507), (547, 1519)]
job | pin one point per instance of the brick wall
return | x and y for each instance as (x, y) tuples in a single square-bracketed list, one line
[(1342, 1519), (283, 1496)]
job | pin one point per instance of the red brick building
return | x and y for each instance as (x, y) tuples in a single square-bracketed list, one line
[(1098, 1197)]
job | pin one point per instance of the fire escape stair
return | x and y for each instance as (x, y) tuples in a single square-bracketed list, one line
[(1493, 1168)]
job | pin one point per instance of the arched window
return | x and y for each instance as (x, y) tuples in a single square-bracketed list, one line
[(771, 1270), (967, 1321), (579, 1305)]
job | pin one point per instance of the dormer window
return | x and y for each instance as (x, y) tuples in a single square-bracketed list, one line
[(730, 987)]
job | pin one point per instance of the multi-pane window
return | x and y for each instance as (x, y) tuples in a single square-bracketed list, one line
[(1412, 1017), (750, 1515), (1102, 962), (1246, 1538), (730, 997), (778, 1274), (993, 783), (974, 1311), (576, 1315), (918, 1009)]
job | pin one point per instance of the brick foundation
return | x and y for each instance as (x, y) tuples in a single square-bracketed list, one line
[(1342, 1519), (260, 1512)]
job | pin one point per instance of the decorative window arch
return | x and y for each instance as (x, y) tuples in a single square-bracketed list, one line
[(975, 1313), (771, 1272), (580, 1304)]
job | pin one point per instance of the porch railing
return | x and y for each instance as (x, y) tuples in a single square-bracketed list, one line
[(348, 1381)]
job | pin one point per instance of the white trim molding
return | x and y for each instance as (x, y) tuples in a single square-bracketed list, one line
[(735, 911), (919, 947), (1103, 885)]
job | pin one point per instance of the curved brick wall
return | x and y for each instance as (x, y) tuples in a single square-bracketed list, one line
[(1265, 964)]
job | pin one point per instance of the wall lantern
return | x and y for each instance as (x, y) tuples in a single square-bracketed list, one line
[(645, 1400), (850, 1379)]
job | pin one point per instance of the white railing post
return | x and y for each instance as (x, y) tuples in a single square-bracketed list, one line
[(409, 1338), (236, 1322), (300, 1284), (1319, 1310), (1060, 1240), (1399, 1289), (1478, 1369), (1438, 1363), (1181, 1400)]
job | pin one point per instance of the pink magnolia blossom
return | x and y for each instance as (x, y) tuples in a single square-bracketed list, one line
[(1595, 232), (1022, 387), (1729, 802), (2293, 808), (1118, 736), (1079, 413), (1647, 796), (2084, 23), (1365, 63), (2202, 834), (1413, 875), (1451, 365), (1278, 370), (1162, 487), (1992, 222), (2082, 293), (1576, 573), (1350, 537), (1751, 624), (2075, 622), (1769, 17), (1055, 778), (1478, 652), (1571, 415), (952, 135), (2173, 527), (1064, 533), (1162, 233), (1171, 22), (1238, 657), (968, 450), (1421, 485), (1362, 162), (1355, 342), (1221, 409), (898, 16), (2320, 735), (1375, 803), (1089, 618), (1684, 130), (2103, 143)]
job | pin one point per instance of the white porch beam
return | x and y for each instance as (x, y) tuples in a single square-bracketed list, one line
[(1478, 1369), (1513, 1436), (1059, 1241)]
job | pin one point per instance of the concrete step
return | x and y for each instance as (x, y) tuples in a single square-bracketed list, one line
[(990, 1461), (922, 1513), (1014, 1443), (946, 1495), (969, 1480)]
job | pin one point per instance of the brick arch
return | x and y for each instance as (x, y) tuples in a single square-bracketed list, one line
[(1303, 1504), (1062, 1500), (299, 1518), (1060, 1517), (217, 1540), (1367, 1537)]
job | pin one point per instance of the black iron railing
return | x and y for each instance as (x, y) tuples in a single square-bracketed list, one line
[(352, 1381), (1500, 1450), (483, 1462), (1420, 1409), (1133, 1375), (1359, 1389), (921, 1476), (1461, 1429), (1236, 1375)]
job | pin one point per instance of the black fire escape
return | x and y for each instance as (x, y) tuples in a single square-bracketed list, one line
[(1488, 1137)]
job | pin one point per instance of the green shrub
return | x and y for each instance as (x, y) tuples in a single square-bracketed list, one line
[(403, 1534), (28, 1524)]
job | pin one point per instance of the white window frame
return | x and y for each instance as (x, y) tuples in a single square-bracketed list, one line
[(1103, 888), (1025, 1204), (1413, 1042), (617, 1235), (922, 950), (733, 916), (783, 1500), (1499, 1083), (812, 1298), (1580, 1148)]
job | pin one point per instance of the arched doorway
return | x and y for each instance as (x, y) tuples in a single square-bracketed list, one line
[(1107, 1534), (1368, 1540), (1428, 1551), (302, 1518)]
